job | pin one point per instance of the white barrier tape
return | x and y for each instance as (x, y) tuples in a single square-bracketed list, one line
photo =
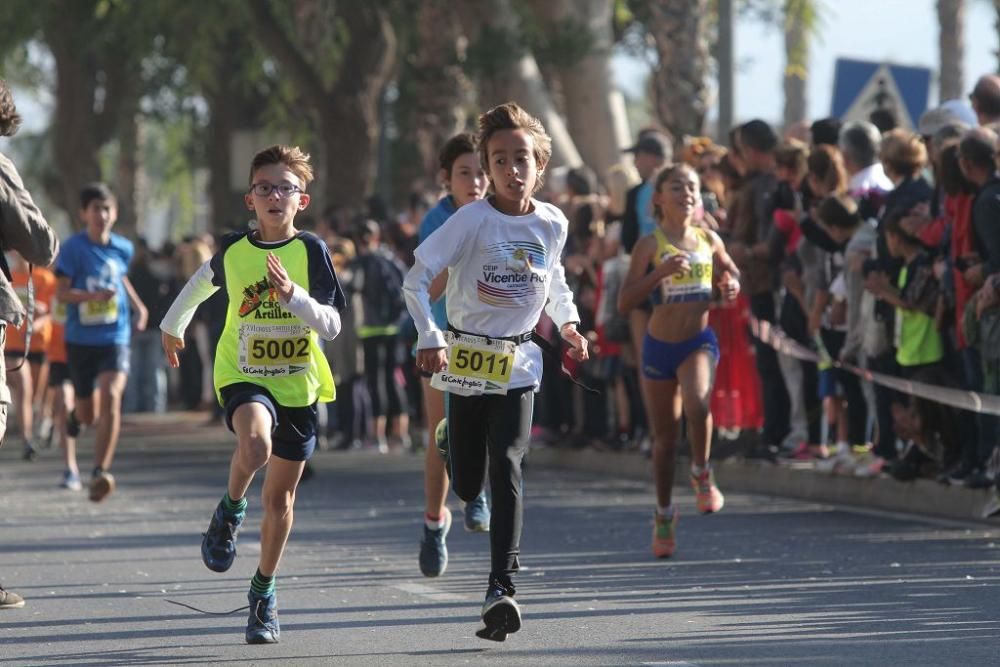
[(956, 398)]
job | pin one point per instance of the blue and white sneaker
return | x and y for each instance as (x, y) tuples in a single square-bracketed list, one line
[(262, 624), (71, 481), (218, 548), (477, 514), (433, 550)]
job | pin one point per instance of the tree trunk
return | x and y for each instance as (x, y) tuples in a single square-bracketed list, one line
[(127, 178), (796, 63), (97, 98), (441, 88), (233, 108), (225, 208), (74, 136), (355, 103), (951, 48), (725, 48), (679, 80), (516, 77), (594, 105), (347, 114)]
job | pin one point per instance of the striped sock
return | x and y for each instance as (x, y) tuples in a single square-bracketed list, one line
[(234, 506), (262, 585)]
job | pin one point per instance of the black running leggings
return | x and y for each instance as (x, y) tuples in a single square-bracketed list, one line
[(381, 364), (500, 427)]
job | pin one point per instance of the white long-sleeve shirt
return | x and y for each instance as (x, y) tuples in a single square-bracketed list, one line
[(502, 270), (325, 320)]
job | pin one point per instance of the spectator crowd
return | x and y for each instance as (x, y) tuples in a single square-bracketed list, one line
[(872, 245)]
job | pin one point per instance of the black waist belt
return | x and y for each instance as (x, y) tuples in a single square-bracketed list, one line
[(547, 348), (517, 340)]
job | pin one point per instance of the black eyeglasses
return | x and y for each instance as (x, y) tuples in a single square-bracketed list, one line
[(264, 189)]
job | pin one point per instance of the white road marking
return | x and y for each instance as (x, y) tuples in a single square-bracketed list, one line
[(429, 592)]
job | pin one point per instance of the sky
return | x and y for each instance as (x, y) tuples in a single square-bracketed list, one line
[(900, 31)]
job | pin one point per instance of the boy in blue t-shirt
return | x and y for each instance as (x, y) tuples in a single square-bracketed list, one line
[(92, 271)]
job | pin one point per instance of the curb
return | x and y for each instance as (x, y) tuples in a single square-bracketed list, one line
[(919, 498)]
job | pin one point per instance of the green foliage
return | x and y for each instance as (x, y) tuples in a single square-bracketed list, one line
[(490, 52), (558, 43), (781, 13), (20, 23)]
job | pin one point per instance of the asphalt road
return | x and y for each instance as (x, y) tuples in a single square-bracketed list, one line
[(766, 582)]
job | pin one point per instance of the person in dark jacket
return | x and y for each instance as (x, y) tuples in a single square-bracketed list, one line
[(758, 253), (24, 229)]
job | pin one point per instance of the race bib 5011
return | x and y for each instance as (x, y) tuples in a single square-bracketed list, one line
[(476, 365)]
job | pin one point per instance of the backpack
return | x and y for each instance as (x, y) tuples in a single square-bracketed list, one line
[(382, 289)]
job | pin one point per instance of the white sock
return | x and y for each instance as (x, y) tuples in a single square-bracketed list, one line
[(666, 512), (696, 470), (434, 525), (843, 448)]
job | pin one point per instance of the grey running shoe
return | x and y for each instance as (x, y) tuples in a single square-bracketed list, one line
[(10, 600), (477, 514), (433, 550)]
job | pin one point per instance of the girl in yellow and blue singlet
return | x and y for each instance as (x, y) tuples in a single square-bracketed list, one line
[(676, 267)]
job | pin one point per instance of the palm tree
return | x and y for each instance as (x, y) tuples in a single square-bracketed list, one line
[(680, 31), (951, 48), (801, 20), (724, 50), (996, 24)]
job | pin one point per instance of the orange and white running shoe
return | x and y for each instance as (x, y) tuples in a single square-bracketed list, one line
[(665, 534), (709, 498)]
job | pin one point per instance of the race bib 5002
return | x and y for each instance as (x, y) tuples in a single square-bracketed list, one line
[(274, 350)]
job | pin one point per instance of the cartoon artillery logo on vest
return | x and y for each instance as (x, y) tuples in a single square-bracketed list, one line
[(254, 296)]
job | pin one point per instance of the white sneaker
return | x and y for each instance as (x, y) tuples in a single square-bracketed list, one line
[(839, 462), (71, 481), (992, 506), (869, 466)]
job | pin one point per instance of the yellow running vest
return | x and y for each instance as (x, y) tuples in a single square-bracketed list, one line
[(263, 343), (692, 285)]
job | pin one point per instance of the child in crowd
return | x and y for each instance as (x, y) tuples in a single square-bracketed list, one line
[(61, 391), (918, 342), (27, 369)]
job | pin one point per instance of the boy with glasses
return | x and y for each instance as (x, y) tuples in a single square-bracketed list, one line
[(269, 369)]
